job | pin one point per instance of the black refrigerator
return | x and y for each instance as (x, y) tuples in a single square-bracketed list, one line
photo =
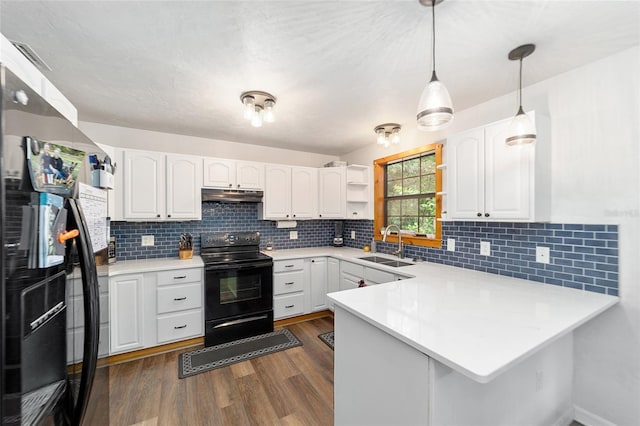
[(50, 266)]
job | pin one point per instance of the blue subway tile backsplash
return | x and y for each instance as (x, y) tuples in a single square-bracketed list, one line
[(582, 256)]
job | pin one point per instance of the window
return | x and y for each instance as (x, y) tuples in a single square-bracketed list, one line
[(407, 193)]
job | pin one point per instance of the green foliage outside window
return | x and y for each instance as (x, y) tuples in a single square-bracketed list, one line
[(410, 194)]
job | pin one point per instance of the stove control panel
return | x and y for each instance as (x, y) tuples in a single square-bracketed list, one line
[(227, 239)]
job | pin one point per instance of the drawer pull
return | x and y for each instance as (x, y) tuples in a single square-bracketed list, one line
[(289, 306), (289, 266), (180, 277), (289, 283), (180, 298), (179, 327)]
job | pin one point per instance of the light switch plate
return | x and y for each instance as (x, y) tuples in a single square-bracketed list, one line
[(353, 235), (293, 235), (451, 244), (543, 254), (485, 248), (147, 240)]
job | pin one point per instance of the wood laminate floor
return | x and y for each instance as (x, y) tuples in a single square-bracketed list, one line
[(291, 387)]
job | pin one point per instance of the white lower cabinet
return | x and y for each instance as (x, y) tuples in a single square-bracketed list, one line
[(154, 308), (290, 278), (75, 319), (126, 306), (318, 283), (350, 275)]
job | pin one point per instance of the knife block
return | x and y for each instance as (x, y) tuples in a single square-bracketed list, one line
[(185, 254)]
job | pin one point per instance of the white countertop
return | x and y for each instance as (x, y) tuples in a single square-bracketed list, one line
[(152, 265), (478, 324)]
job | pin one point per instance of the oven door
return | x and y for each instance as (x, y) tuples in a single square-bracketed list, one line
[(233, 290)]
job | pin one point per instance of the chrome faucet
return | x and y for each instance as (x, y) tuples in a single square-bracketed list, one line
[(400, 251)]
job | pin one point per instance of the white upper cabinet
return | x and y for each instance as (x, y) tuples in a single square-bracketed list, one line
[(304, 192), (332, 201), (13, 59), (144, 183), (159, 186), (277, 193), (249, 175), (184, 195), (231, 174), (489, 180), (219, 173)]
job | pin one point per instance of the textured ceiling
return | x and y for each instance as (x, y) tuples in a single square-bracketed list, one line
[(338, 68)]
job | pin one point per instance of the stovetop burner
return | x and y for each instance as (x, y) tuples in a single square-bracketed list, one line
[(231, 247)]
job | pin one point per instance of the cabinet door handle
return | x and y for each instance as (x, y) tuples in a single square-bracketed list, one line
[(178, 327), (168, 215), (238, 186), (157, 215), (289, 266), (486, 215), (290, 283), (230, 185), (313, 261), (479, 214), (180, 277), (289, 306), (294, 215), (180, 298)]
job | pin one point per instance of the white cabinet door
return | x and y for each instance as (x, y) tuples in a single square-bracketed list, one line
[(465, 163), (277, 194), (318, 283), (144, 185), (508, 176), (304, 192), (219, 173), (333, 275), (126, 307), (184, 192), (332, 203), (250, 175)]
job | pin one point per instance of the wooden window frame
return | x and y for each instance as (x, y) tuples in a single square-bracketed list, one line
[(379, 197)]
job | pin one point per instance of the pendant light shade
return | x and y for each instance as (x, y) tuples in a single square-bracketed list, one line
[(521, 130), (435, 109)]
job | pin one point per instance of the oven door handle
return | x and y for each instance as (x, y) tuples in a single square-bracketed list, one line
[(238, 267), (240, 321)]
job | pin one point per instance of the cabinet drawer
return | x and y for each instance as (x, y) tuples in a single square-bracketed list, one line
[(376, 276), (179, 276), (179, 298), (179, 326), (288, 265), (288, 282), (352, 269), (289, 305)]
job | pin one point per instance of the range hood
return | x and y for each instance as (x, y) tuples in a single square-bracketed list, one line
[(231, 196)]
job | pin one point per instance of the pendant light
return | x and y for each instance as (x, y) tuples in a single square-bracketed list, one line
[(435, 110), (521, 130)]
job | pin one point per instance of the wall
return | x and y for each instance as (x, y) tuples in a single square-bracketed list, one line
[(595, 176), (216, 217), (126, 137)]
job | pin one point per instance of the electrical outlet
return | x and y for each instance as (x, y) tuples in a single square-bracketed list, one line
[(451, 244), (485, 248), (353, 235), (543, 254), (147, 240), (293, 235)]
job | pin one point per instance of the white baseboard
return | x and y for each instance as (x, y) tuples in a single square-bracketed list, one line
[(589, 419), (566, 418)]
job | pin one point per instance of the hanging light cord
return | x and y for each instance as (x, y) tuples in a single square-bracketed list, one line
[(433, 33), (520, 87)]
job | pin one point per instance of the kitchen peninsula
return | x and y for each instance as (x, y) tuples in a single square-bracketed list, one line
[(453, 346)]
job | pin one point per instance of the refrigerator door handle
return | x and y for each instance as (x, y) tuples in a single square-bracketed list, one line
[(91, 304)]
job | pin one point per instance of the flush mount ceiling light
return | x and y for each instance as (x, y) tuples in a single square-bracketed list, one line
[(258, 107), (435, 110), (521, 130), (388, 133)]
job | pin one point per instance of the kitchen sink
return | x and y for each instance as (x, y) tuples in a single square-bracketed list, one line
[(386, 261)]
